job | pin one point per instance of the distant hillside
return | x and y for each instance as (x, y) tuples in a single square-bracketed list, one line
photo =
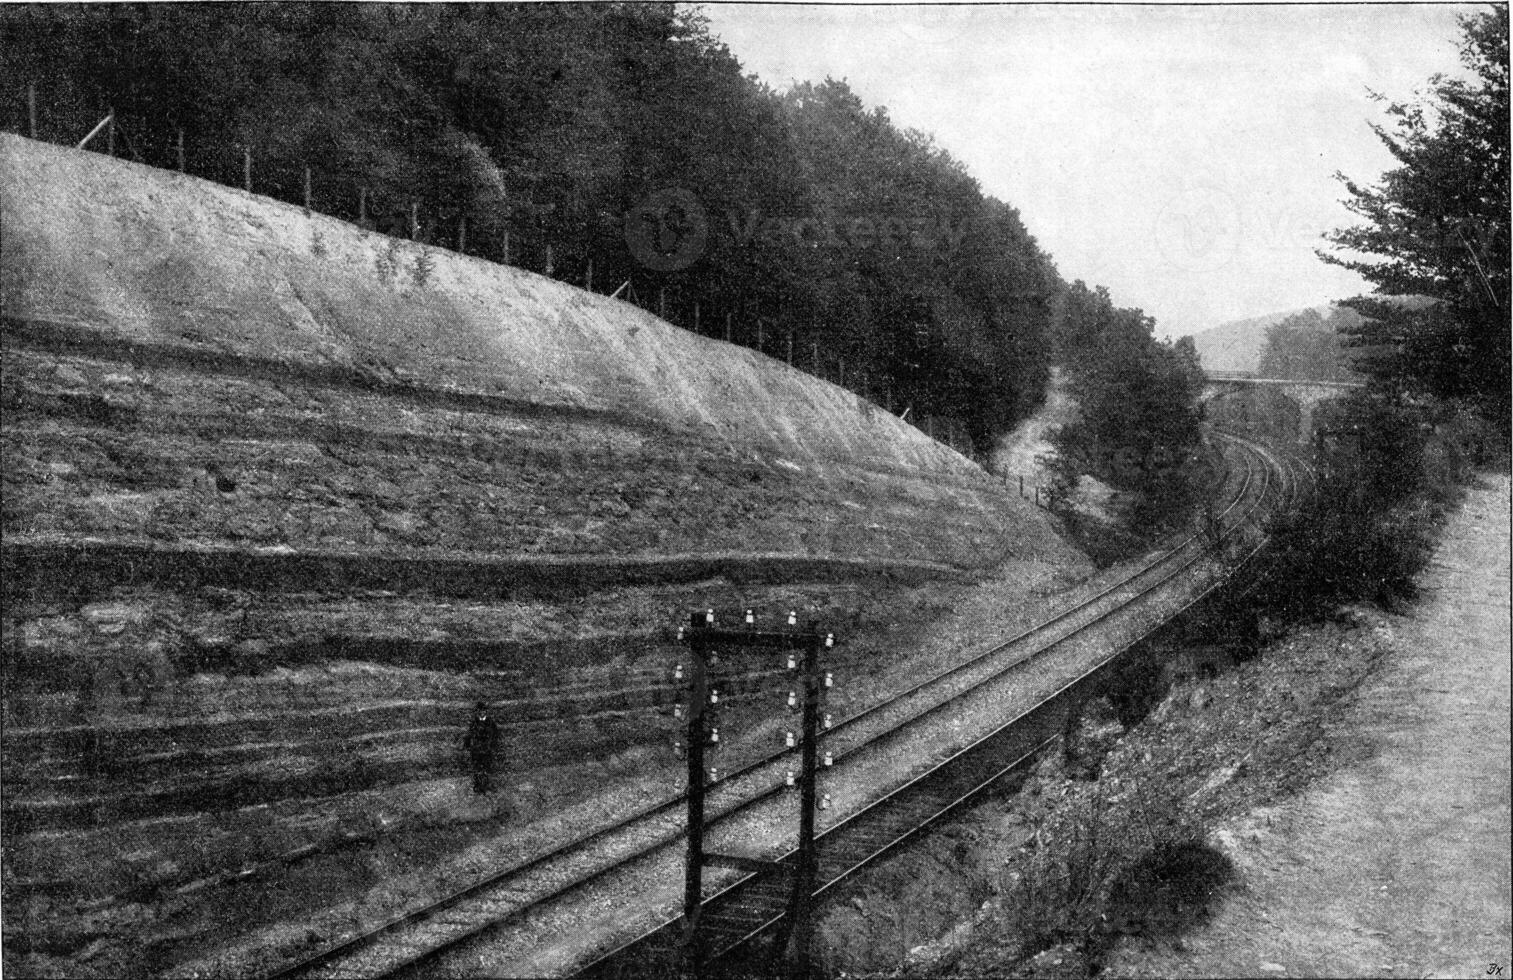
[(1236, 346)]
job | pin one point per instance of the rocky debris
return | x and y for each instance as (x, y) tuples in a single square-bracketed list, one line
[(1066, 960)]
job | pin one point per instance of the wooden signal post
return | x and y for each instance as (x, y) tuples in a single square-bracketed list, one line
[(705, 640)]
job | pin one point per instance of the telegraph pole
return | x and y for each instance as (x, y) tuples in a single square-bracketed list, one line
[(704, 640), (693, 876), (800, 904)]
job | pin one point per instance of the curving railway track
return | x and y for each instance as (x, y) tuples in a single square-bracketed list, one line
[(1065, 654)]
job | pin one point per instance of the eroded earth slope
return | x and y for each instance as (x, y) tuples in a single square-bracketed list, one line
[(283, 497)]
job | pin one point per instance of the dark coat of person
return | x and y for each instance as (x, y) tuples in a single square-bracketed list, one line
[(481, 744), (482, 738)]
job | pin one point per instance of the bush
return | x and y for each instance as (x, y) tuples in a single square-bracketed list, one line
[(1367, 531), (1101, 866)]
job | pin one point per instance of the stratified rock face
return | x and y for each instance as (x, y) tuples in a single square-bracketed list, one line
[(191, 363), (162, 258), (283, 498)]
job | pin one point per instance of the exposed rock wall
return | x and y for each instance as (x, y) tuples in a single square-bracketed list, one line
[(159, 257), (283, 497)]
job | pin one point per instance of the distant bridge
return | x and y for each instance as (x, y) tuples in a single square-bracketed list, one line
[(1305, 394), (1249, 378)]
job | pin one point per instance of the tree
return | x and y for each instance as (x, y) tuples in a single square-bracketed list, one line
[(1437, 228), (1137, 426), (1306, 346)]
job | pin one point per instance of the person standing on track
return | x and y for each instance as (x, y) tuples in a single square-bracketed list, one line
[(481, 743)]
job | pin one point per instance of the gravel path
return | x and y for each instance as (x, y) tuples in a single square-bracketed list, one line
[(1397, 863)]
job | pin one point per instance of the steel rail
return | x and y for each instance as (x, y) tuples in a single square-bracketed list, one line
[(837, 834), (356, 945)]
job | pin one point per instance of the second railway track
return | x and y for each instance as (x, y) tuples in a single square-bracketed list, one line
[(440, 937)]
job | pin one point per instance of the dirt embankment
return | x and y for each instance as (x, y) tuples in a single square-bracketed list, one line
[(157, 257), (1339, 805), (189, 364), (1018, 453), (283, 497), (1395, 864)]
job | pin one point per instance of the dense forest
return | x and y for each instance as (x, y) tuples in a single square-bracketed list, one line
[(618, 141)]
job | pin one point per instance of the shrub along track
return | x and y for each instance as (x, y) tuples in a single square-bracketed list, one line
[(448, 933)]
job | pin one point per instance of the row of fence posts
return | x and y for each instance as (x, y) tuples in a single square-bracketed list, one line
[(1041, 500), (816, 367)]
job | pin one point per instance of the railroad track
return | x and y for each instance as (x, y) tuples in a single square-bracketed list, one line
[(738, 915), (426, 937)]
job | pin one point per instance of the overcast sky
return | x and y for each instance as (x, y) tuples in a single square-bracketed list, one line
[(1181, 156)]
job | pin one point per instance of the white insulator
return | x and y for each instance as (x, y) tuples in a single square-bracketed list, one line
[(789, 739), (750, 619), (829, 759), (793, 618), (793, 699)]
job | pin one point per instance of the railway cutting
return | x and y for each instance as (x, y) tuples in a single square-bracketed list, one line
[(292, 495)]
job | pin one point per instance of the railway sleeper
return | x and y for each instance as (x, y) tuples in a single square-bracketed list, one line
[(744, 923), (742, 904), (770, 896)]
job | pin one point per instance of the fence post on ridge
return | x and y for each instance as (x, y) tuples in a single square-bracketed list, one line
[(31, 109)]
